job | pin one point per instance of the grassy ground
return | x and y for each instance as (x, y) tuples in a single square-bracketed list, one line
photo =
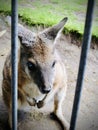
[(49, 12)]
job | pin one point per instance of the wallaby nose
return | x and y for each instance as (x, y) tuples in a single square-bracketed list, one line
[(46, 90)]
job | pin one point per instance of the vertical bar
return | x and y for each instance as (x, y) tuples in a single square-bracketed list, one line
[(83, 58), (14, 61)]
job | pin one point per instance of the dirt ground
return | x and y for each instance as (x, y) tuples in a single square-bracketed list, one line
[(39, 119)]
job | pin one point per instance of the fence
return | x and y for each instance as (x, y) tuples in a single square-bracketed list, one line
[(81, 72)]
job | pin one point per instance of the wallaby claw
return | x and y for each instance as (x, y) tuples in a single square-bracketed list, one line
[(31, 101)]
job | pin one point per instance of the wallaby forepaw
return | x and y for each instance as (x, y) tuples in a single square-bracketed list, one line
[(31, 101), (40, 104)]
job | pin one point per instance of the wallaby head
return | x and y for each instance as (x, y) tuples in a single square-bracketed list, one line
[(37, 55)]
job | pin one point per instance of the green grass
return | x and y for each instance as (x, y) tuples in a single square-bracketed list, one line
[(49, 12)]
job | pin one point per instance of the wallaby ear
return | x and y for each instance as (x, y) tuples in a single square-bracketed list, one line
[(25, 36), (52, 32)]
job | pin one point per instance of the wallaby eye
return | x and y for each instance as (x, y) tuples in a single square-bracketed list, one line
[(53, 64), (30, 65)]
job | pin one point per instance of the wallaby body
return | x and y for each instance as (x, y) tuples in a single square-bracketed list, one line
[(41, 72)]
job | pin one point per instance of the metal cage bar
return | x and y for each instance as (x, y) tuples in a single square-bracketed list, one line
[(83, 58), (14, 61)]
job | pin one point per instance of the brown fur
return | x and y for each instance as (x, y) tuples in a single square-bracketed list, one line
[(41, 72)]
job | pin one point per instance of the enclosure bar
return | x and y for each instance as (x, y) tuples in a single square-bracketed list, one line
[(82, 65), (14, 61)]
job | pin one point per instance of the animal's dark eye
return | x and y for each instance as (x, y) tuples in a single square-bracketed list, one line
[(31, 66), (53, 64)]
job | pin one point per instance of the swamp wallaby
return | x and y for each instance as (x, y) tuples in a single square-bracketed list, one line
[(41, 72)]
